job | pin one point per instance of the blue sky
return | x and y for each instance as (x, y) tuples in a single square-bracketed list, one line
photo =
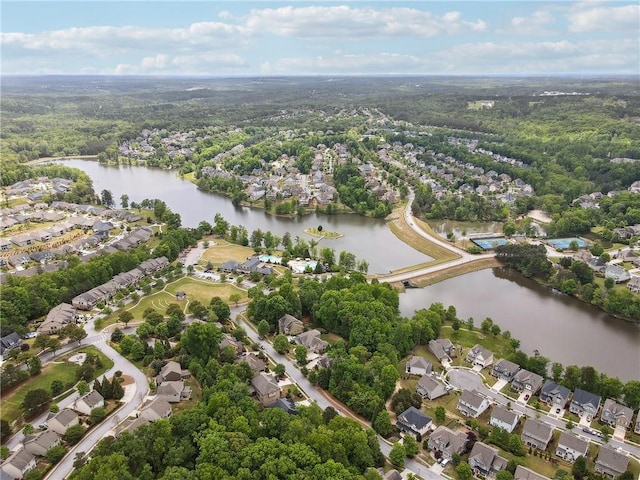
[(320, 38)]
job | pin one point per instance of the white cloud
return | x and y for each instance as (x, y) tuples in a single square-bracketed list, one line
[(348, 22), (536, 24), (591, 17), (345, 64), (206, 63)]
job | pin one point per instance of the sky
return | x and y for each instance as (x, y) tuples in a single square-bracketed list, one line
[(230, 38)]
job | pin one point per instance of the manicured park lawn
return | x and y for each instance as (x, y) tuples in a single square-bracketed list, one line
[(223, 251)]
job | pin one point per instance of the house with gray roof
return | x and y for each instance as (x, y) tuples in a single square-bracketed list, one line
[(40, 443), (392, 475), (526, 380), (58, 317), (414, 421), (172, 371), (173, 391), (19, 463), (253, 361), (447, 442), (505, 370), (615, 414), (8, 343), (88, 402), (229, 266), (229, 341), (472, 404), (524, 473), (584, 402), (62, 420), (431, 388), (290, 325), (536, 433), (570, 447), (156, 409), (484, 460), (480, 356), (418, 366), (442, 348), (311, 339), (503, 418), (554, 395), (5, 244), (617, 273), (266, 389), (610, 462)]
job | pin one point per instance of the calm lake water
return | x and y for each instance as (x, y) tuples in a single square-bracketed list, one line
[(366, 238), (560, 327)]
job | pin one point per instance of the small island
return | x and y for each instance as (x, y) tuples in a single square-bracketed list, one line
[(319, 232)]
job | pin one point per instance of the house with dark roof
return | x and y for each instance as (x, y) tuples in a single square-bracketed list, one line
[(610, 462), (414, 421), (290, 325), (480, 356), (524, 473), (505, 370), (503, 418), (484, 460), (526, 380), (229, 266), (442, 348), (447, 442), (418, 366), (584, 402), (8, 343), (431, 388), (286, 404), (229, 341), (554, 395), (536, 433), (472, 404), (570, 447), (172, 371), (615, 414)]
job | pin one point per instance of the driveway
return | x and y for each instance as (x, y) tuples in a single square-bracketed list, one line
[(499, 385)]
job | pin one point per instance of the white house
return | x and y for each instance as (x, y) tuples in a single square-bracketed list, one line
[(418, 366), (472, 404), (480, 356), (90, 401), (571, 446), (503, 418)]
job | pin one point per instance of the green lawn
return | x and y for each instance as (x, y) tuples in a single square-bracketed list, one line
[(11, 403), (204, 290), (500, 346)]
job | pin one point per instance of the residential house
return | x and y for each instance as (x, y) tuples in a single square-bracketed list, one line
[(554, 395), (229, 266), (414, 421), (23, 240), (610, 462), (392, 475), (615, 414), (536, 433), (19, 463), (286, 404), (480, 356), (156, 409), (505, 370), (447, 442), (504, 418), (254, 264), (484, 460), (266, 388), (229, 341), (171, 372), (173, 391), (57, 318), (5, 244), (442, 348), (634, 284), (40, 443), (523, 473), (311, 339), (429, 387), (62, 420), (418, 366), (570, 447), (253, 361), (472, 404), (526, 380), (617, 273), (290, 325), (88, 402), (19, 259), (584, 402), (8, 343), (636, 429)]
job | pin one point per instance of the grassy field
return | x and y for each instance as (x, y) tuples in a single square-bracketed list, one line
[(223, 251), (405, 233), (12, 402), (455, 271)]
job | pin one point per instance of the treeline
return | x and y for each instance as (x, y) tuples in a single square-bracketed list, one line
[(353, 192)]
